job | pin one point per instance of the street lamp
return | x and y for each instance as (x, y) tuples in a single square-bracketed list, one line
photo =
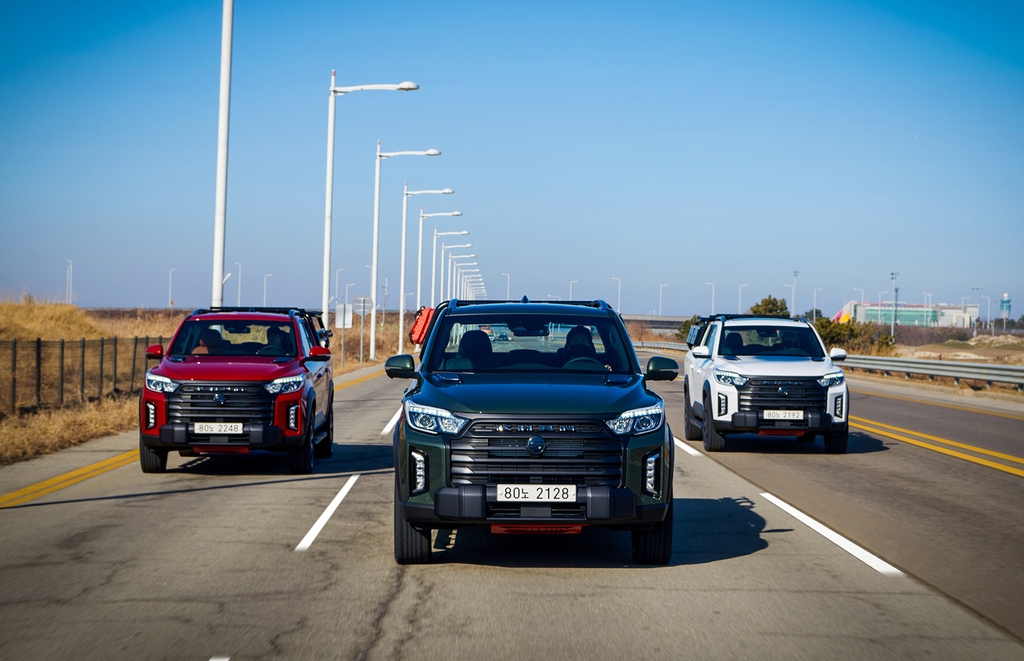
[(880, 305), (661, 288), (814, 305), (376, 232), (329, 202), (170, 281), (739, 303), (433, 259), (618, 300), (988, 315), (796, 274), (419, 261), (223, 115), (451, 266), (440, 285), (238, 301), (455, 286), (265, 276), (69, 290), (508, 285), (712, 297), (570, 288)]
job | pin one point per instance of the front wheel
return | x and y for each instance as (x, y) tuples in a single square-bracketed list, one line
[(836, 443), (691, 430), (713, 441), (325, 448), (654, 546), (152, 460), (412, 545), (300, 461)]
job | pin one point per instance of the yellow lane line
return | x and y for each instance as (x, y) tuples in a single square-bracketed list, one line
[(945, 406), (946, 441), (357, 381), (952, 453), (39, 489)]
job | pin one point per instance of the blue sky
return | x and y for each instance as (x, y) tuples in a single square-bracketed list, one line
[(677, 143)]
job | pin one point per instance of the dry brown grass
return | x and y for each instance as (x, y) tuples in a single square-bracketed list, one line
[(27, 318), (137, 322), (27, 436)]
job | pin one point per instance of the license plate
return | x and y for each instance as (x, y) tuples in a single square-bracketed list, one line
[(537, 493), (783, 415), (217, 428)]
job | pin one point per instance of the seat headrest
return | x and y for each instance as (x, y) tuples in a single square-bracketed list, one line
[(475, 344)]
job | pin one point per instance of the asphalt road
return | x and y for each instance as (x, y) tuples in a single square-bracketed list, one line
[(201, 562)]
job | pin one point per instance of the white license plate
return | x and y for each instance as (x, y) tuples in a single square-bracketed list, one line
[(537, 493), (217, 428), (783, 415)]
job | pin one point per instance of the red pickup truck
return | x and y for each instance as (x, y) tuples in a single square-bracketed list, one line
[(235, 380)]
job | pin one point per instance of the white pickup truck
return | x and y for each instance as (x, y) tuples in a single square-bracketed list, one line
[(769, 376)]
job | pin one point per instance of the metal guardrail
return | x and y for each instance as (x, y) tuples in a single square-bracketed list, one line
[(984, 372)]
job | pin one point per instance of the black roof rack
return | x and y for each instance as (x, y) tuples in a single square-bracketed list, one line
[(288, 311), (730, 317), (599, 304)]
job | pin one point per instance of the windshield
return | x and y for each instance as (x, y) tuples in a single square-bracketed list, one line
[(770, 341), (529, 343), (235, 338)]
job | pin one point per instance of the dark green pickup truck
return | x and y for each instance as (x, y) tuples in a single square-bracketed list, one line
[(548, 430)]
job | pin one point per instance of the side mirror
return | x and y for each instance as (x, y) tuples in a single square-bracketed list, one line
[(400, 367), (319, 354), (662, 369), (155, 351), (837, 354), (700, 352)]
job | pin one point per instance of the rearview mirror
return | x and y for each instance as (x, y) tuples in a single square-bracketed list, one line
[(319, 355), (837, 354), (700, 352), (660, 368), (400, 367), (155, 351)]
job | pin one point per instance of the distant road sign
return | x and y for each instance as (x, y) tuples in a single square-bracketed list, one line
[(343, 316), (362, 305)]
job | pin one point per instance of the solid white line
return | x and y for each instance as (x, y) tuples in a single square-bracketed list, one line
[(867, 558), (220, 658), (392, 422), (686, 448), (322, 521)]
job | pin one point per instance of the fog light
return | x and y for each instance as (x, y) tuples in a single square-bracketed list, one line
[(419, 471), (723, 404), (839, 407), (651, 474), (150, 415), (293, 417)]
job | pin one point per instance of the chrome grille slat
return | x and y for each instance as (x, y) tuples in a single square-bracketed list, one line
[(243, 402), (802, 394)]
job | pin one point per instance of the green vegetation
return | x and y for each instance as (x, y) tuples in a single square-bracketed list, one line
[(770, 306), (684, 328)]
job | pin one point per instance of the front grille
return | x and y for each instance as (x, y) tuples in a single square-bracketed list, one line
[(782, 394), (201, 402), (495, 452), (559, 511)]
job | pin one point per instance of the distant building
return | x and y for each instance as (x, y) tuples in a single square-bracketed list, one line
[(910, 314)]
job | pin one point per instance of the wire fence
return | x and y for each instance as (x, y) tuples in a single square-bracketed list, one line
[(41, 374)]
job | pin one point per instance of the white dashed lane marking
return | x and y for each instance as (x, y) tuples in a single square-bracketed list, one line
[(686, 448), (307, 541), (392, 422)]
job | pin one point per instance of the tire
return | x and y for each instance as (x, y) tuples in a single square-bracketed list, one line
[(836, 443), (325, 448), (691, 430), (300, 461), (654, 546), (152, 460), (713, 441), (412, 546)]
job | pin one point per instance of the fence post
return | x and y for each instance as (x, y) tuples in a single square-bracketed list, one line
[(14, 377), (39, 372), (99, 389), (114, 387), (135, 352), (81, 372), (60, 376)]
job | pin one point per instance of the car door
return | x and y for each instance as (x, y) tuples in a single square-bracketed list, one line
[(317, 371), (702, 368)]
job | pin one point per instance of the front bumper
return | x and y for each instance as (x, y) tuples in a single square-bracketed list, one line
[(254, 436), (478, 505), (751, 421)]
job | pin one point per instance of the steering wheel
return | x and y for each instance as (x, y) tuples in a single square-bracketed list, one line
[(270, 350), (584, 362)]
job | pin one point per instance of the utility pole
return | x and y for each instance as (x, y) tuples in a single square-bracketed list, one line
[(618, 301), (796, 274), (895, 301)]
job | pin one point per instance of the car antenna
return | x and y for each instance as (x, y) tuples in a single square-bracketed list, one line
[(525, 300)]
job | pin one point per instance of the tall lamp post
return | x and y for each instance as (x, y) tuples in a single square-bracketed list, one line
[(69, 289), (329, 202), (508, 285), (451, 271), (433, 261), (814, 305), (661, 288), (401, 270), (441, 289), (223, 115), (419, 261), (170, 282), (618, 300), (712, 297), (376, 231), (739, 302), (456, 284), (265, 276), (570, 288), (238, 301)]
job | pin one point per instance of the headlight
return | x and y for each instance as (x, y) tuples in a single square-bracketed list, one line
[(730, 378), (160, 383), (432, 420), (833, 379), (639, 421), (284, 384)]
